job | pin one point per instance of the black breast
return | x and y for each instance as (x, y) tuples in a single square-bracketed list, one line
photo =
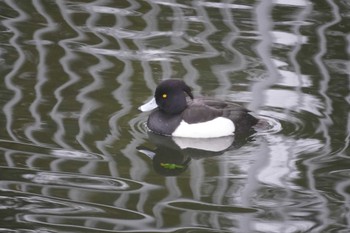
[(163, 124)]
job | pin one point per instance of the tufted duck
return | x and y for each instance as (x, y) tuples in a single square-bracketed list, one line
[(179, 114)]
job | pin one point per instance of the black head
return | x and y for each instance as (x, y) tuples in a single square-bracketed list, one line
[(170, 96)]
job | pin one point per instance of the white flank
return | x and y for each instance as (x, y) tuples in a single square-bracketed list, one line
[(217, 127), (150, 105)]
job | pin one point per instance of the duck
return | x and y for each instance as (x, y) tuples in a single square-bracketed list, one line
[(175, 112)]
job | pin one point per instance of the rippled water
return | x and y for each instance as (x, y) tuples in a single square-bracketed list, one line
[(75, 155)]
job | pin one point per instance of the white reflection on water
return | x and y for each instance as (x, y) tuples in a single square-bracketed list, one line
[(289, 78), (144, 55), (170, 4), (283, 154), (136, 35), (299, 3), (112, 10), (222, 5), (292, 100), (287, 226), (73, 154), (287, 38)]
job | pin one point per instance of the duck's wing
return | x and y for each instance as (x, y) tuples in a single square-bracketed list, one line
[(223, 105), (208, 109), (201, 110), (197, 113)]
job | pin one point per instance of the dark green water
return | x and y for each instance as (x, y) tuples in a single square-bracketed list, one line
[(73, 144)]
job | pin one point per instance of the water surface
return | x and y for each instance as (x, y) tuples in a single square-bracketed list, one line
[(75, 155)]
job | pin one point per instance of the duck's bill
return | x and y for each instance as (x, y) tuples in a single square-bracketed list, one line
[(148, 106)]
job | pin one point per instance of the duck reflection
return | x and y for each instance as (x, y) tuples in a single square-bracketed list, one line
[(172, 155)]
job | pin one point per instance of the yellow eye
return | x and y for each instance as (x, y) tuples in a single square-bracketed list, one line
[(164, 96)]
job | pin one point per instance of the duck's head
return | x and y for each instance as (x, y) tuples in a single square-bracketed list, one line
[(169, 97)]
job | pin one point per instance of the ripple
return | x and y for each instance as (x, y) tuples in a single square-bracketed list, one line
[(143, 55), (139, 125), (269, 126), (170, 4), (224, 5), (31, 149), (37, 204), (343, 173), (201, 206), (338, 66), (81, 181), (39, 42), (113, 10), (87, 223), (296, 3), (63, 153), (289, 124), (132, 34), (55, 212)]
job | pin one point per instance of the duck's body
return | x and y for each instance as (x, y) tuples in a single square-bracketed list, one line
[(179, 116)]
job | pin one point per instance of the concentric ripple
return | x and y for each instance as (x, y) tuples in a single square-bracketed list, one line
[(79, 181)]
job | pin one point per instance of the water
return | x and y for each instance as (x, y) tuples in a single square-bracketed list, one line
[(75, 155)]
